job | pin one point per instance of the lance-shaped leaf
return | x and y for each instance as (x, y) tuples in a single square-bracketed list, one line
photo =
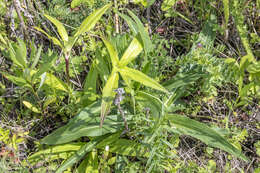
[(55, 152), (202, 132), (91, 79), (37, 58), (132, 25), (91, 20), (61, 30), (21, 52), (17, 55), (90, 164), (112, 52), (108, 95), (17, 80), (55, 40), (79, 154), (142, 78), (131, 52), (148, 46)]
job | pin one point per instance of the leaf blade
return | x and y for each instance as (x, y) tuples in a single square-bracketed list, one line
[(91, 20), (133, 50), (61, 30), (112, 52), (202, 132), (148, 46), (55, 40), (142, 78), (107, 95), (78, 155)]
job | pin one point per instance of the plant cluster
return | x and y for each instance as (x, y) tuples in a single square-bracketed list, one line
[(97, 86)]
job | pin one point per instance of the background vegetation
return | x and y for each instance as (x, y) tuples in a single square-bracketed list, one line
[(130, 86)]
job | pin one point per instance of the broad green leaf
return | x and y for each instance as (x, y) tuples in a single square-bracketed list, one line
[(132, 25), (61, 30), (112, 52), (86, 123), (148, 46), (36, 58), (202, 132), (86, 126), (142, 78), (55, 83), (108, 94), (31, 107), (54, 151), (91, 20), (131, 52), (79, 154), (55, 40)]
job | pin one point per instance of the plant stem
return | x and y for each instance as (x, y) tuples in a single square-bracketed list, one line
[(67, 68), (116, 18), (123, 115), (18, 11)]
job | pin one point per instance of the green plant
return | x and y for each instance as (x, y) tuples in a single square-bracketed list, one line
[(28, 76), (86, 123), (128, 74), (201, 60), (251, 88), (65, 42)]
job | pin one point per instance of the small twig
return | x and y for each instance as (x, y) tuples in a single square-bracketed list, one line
[(18, 11), (148, 16), (116, 19)]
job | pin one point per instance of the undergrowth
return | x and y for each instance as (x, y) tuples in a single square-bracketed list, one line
[(129, 86)]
